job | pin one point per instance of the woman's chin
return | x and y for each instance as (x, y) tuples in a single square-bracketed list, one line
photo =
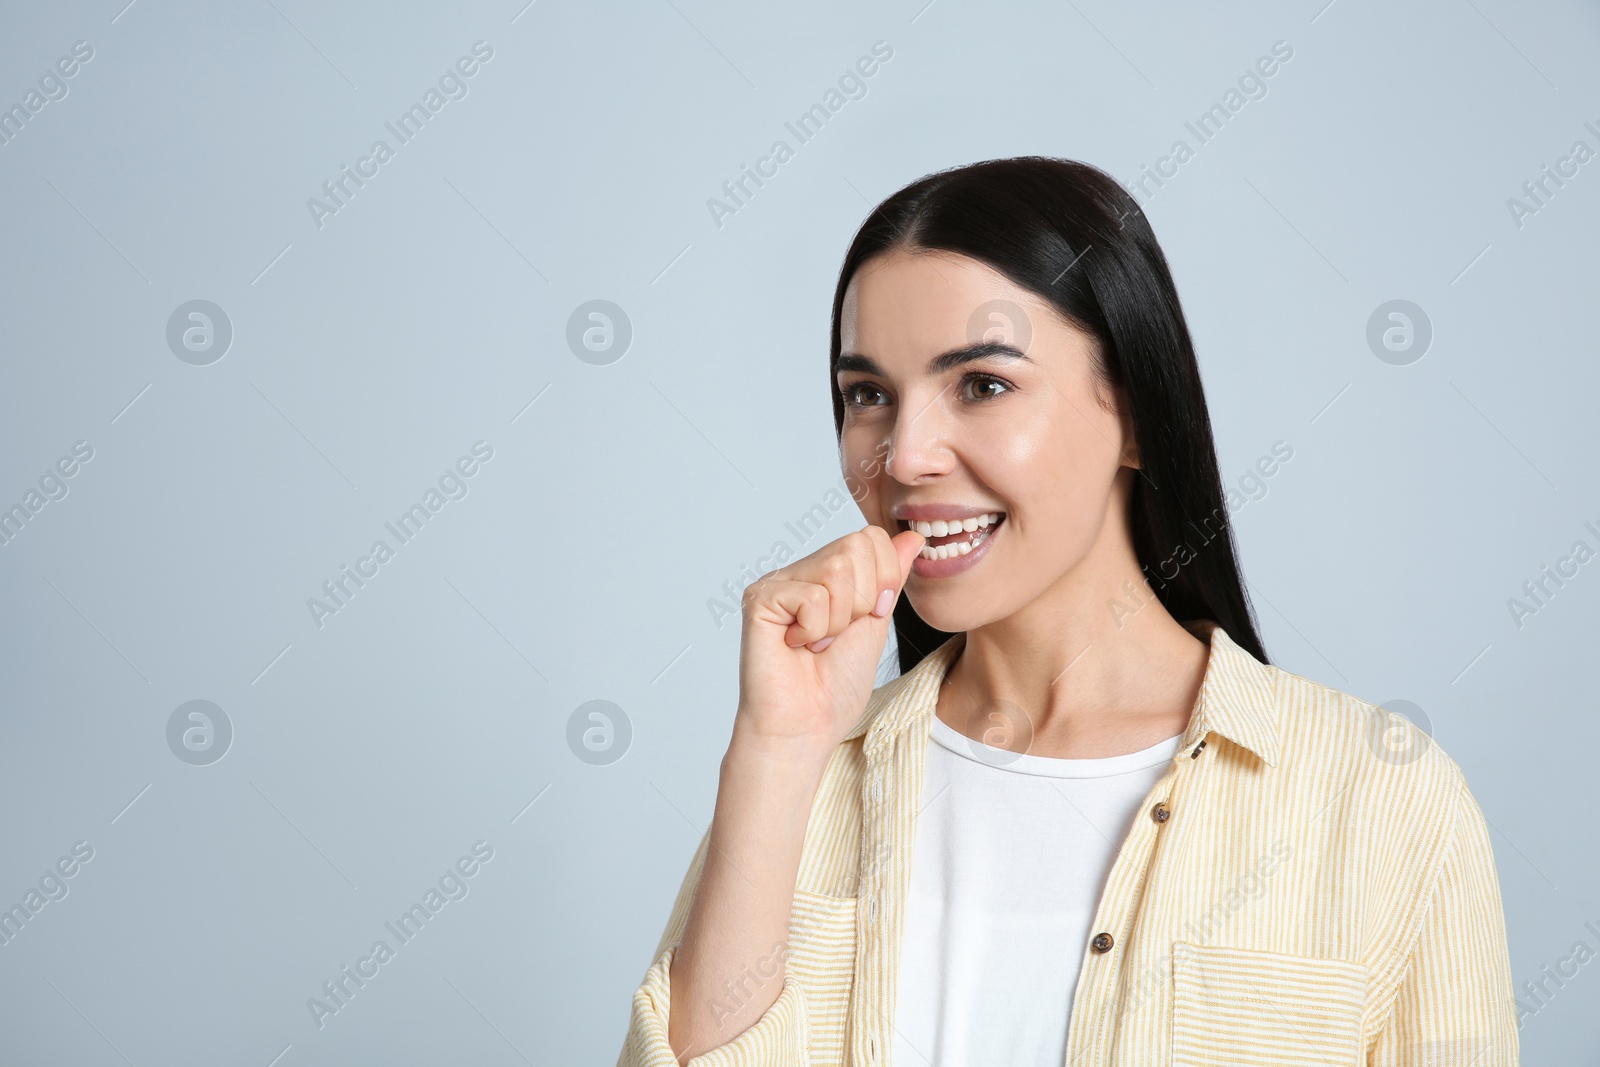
[(952, 618)]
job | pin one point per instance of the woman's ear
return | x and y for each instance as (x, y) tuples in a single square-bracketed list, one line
[(1130, 440)]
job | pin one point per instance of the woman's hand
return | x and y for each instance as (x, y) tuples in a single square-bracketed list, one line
[(813, 634), (799, 694)]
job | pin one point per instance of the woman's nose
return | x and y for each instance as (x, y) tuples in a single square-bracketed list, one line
[(919, 444)]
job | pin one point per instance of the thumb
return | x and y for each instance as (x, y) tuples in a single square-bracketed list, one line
[(907, 543)]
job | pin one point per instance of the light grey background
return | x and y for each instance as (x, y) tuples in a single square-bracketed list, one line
[(431, 312)]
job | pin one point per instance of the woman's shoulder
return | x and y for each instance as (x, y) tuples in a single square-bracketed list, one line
[(1327, 732)]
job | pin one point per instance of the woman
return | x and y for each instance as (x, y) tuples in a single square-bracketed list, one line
[(1088, 823)]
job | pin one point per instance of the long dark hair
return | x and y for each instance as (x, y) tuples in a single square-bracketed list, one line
[(1072, 235)]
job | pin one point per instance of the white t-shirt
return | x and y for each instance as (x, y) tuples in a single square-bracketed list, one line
[(1011, 857)]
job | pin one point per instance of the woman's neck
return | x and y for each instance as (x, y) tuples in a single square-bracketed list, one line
[(1075, 677)]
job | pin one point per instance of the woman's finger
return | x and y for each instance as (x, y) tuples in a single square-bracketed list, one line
[(886, 570), (800, 607)]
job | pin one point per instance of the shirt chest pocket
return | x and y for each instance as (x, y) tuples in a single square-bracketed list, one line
[(1251, 1008)]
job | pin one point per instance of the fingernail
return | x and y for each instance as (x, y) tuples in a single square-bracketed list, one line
[(885, 602), (822, 644)]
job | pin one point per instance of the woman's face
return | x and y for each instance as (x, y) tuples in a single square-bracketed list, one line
[(1023, 431)]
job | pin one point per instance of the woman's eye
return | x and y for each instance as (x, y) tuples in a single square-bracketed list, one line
[(981, 380), (975, 387), (852, 394)]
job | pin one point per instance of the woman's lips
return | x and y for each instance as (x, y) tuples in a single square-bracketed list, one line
[(941, 556)]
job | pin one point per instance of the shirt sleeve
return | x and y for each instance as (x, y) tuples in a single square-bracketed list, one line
[(1456, 1005), (780, 1038)]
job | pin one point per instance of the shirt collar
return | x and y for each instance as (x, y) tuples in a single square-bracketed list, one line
[(1236, 697)]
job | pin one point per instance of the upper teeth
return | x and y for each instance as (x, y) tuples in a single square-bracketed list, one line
[(941, 527)]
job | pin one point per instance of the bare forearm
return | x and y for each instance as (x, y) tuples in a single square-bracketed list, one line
[(728, 968)]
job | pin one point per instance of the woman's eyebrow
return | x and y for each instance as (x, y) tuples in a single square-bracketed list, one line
[(940, 364)]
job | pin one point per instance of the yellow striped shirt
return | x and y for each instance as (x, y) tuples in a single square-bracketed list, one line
[(1318, 890)]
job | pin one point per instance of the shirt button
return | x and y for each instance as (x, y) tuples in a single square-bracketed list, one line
[(877, 790), (1161, 813), (1102, 942), (872, 908), (1196, 753)]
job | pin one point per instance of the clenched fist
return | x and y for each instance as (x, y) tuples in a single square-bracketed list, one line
[(813, 634)]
